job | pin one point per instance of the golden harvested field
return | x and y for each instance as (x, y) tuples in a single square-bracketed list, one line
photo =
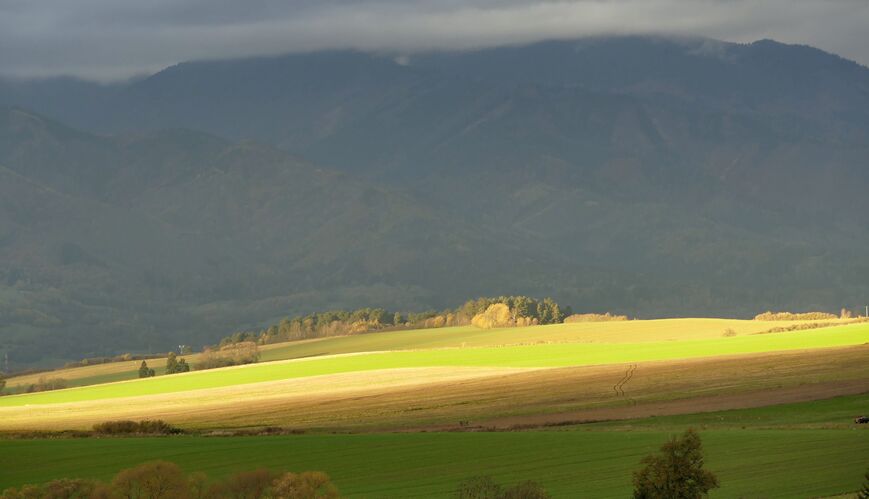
[(440, 397), (587, 332)]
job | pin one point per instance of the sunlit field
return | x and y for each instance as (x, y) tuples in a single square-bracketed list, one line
[(583, 403), (452, 337), (537, 355)]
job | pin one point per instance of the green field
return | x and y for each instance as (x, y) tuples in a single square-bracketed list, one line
[(470, 336), (635, 331), (545, 355), (807, 449), (837, 412), (750, 463)]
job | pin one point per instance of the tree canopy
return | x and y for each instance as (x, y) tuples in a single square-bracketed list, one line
[(503, 311), (676, 472)]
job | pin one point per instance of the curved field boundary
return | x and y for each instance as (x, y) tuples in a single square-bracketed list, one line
[(550, 355), (451, 337), (440, 398)]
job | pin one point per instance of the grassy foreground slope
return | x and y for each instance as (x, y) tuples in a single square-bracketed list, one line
[(531, 356), (452, 337), (750, 463)]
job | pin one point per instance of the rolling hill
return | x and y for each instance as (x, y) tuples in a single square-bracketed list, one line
[(572, 406)]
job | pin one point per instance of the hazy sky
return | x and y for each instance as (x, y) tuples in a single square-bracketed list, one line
[(112, 39)]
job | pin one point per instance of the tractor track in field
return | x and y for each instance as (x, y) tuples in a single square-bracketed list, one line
[(619, 388)]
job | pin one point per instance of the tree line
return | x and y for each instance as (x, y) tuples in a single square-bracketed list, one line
[(520, 311), (90, 361), (231, 354)]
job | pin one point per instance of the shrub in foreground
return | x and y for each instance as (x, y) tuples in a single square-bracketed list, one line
[(256, 483), (166, 480), (863, 493), (481, 487), (157, 479), (676, 472), (308, 484), (61, 489), (484, 487)]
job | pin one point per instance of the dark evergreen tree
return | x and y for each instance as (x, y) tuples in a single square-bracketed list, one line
[(171, 363), (145, 371), (182, 366)]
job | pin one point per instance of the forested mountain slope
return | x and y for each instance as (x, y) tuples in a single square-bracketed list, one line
[(649, 176)]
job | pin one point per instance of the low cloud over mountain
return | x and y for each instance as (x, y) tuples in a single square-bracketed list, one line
[(116, 39)]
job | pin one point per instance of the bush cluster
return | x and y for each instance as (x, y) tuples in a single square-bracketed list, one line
[(90, 361), (145, 371), (790, 316), (484, 487), (162, 479), (812, 325), (47, 384), (595, 318), (175, 365), (863, 493), (127, 427), (233, 354)]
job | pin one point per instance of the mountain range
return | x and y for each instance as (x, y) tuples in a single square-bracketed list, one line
[(650, 176)]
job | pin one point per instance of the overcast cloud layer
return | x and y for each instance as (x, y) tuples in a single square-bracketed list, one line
[(116, 39)]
